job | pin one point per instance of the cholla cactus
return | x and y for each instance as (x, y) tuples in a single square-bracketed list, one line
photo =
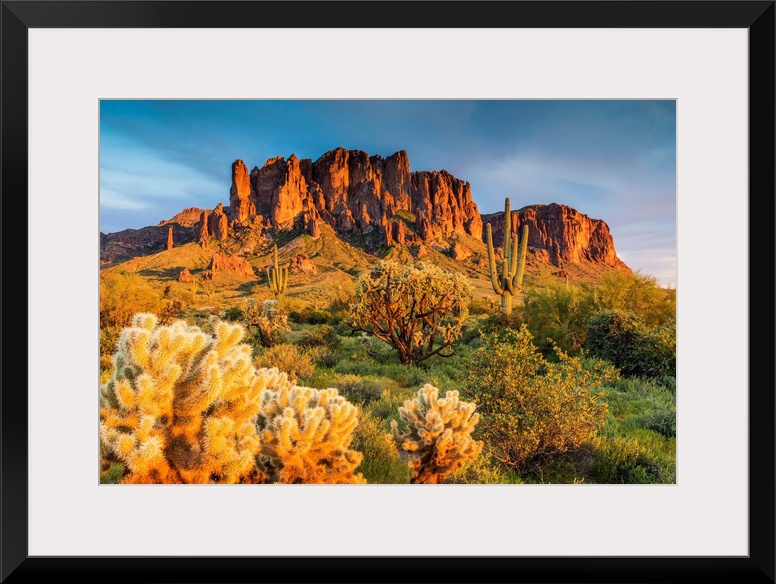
[(181, 404), (418, 309), (269, 324), (438, 436), (306, 434)]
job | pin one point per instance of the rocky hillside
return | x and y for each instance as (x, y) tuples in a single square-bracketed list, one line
[(373, 203)]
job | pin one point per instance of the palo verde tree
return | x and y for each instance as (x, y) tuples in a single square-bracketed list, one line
[(508, 283), (418, 309)]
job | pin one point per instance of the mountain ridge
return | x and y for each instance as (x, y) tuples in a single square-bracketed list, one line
[(373, 203)]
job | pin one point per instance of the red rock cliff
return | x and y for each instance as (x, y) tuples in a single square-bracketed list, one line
[(354, 193), (566, 235)]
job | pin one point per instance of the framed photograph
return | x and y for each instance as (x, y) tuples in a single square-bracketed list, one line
[(388, 291)]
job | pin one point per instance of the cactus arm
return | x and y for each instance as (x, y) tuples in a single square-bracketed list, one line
[(494, 279), (509, 278), (518, 277), (285, 280), (515, 256), (507, 219), (508, 248)]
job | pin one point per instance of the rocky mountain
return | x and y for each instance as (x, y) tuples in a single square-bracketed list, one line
[(373, 203), (560, 235), (355, 194)]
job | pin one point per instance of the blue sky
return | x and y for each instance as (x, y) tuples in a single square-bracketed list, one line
[(613, 160)]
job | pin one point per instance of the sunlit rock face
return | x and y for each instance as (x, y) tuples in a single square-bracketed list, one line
[(355, 193), (561, 233)]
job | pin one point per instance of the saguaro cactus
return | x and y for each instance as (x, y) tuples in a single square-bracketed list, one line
[(277, 277), (438, 437), (169, 238), (508, 284)]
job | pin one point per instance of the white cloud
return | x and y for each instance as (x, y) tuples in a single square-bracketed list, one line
[(111, 199)]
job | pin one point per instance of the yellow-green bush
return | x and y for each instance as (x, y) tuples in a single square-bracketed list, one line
[(122, 295), (288, 358), (533, 408), (637, 293), (436, 434), (484, 470), (560, 311)]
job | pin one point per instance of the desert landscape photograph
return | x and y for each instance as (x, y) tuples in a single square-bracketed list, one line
[(387, 292)]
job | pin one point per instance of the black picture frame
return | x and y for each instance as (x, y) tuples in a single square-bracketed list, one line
[(756, 16)]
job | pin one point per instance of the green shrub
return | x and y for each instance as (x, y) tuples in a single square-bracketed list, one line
[(321, 336), (410, 376), (113, 474), (382, 463), (668, 381), (661, 421), (234, 314), (479, 306), (622, 338), (319, 317), (311, 315), (392, 398), (361, 390), (561, 312), (499, 321), (343, 327), (324, 356), (626, 460), (640, 403)]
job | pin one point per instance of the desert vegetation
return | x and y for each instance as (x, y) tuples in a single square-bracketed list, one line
[(393, 370)]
